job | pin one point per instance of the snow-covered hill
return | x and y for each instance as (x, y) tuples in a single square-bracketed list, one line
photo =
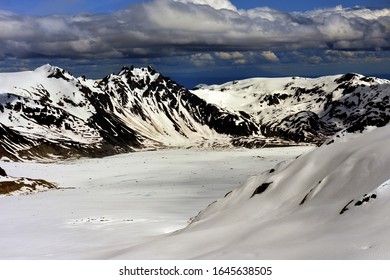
[(49, 114), (303, 109), (330, 203)]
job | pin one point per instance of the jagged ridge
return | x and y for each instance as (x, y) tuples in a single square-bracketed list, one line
[(48, 113)]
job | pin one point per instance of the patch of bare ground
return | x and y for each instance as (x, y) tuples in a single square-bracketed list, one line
[(25, 185)]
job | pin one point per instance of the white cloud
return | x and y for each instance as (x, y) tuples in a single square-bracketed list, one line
[(270, 56), (341, 54), (202, 59), (168, 16), (314, 59), (355, 56), (230, 55), (338, 27), (240, 61), (216, 4)]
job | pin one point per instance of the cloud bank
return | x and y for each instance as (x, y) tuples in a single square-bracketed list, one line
[(164, 28)]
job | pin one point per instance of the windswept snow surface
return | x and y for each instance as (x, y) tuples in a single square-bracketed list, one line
[(105, 206), (331, 203)]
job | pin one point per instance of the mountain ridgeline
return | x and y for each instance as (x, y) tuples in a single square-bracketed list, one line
[(48, 113)]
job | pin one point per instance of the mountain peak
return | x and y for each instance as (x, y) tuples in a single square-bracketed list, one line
[(51, 71), (151, 70), (139, 73), (45, 68), (125, 69), (348, 77)]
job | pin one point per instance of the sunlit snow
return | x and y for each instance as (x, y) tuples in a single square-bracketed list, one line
[(106, 205)]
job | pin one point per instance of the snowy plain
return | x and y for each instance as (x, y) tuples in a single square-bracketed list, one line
[(106, 206)]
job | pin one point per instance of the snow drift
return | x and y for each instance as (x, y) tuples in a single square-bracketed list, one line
[(330, 203)]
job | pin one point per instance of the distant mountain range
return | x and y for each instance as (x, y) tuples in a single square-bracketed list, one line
[(306, 110), (49, 114)]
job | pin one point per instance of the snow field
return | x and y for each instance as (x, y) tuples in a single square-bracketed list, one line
[(105, 206)]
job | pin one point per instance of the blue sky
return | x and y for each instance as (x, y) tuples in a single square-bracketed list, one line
[(42, 7), (198, 41)]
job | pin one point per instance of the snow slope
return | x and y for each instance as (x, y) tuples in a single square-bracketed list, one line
[(38, 89), (330, 203)]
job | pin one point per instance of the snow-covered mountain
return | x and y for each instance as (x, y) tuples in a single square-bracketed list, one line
[(303, 109), (48, 113)]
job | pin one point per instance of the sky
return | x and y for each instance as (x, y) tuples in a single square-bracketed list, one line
[(198, 41)]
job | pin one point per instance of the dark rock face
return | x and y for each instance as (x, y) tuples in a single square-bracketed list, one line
[(345, 208), (304, 126), (58, 74), (365, 199), (262, 188), (222, 121), (2, 172)]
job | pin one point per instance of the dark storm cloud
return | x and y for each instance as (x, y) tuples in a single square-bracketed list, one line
[(171, 28)]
